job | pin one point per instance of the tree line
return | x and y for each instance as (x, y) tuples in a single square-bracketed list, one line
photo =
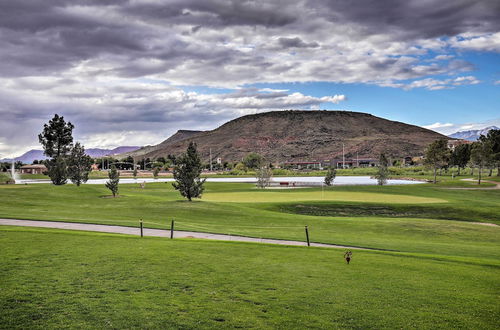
[(484, 153)]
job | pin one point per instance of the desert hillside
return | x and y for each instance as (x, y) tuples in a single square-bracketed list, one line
[(295, 135)]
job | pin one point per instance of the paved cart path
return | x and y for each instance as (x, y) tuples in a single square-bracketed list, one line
[(159, 232)]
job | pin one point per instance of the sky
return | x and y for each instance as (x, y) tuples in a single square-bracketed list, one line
[(133, 72)]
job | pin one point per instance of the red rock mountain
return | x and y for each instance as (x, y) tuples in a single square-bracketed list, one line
[(295, 135)]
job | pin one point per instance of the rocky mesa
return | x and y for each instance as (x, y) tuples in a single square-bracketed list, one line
[(296, 135)]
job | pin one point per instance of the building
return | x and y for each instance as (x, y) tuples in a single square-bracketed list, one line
[(452, 144), (357, 162), (33, 169)]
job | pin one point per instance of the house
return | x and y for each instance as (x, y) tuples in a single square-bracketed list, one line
[(452, 144), (33, 169)]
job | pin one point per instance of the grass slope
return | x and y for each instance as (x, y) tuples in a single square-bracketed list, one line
[(54, 279)]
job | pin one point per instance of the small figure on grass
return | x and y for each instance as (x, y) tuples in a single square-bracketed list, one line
[(348, 256)]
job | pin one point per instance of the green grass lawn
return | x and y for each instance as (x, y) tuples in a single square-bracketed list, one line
[(419, 219), (61, 279), (439, 268)]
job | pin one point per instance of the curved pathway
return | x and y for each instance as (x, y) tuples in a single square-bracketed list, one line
[(160, 233)]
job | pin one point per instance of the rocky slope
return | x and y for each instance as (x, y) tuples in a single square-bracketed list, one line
[(295, 135)]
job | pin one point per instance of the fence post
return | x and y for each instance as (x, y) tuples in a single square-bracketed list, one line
[(142, 234), (307, 237), (172, 230)]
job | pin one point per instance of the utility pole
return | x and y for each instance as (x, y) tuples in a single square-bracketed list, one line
[(357, 159), (210, 159), (343, 156)]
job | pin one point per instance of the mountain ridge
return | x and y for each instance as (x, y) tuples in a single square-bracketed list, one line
[(29, 156), (300, 135), (472, 135)]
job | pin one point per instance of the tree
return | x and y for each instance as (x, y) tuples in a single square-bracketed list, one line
[(493, 141), (134, 173), (383, 170), (480, 156), (156, 171), (437, 156), (263, 175), (56, 139), (253, 160), (460, 156), (79, 165), (330, 176), (57, 170), (114, 179), (187, 172)]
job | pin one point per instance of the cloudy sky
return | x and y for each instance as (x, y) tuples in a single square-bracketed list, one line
[(132, 72)]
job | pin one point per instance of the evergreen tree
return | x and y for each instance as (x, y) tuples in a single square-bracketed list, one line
[(57, 140), (114, 179), (460, 156), (437, 156), (79, 165), (57, 170), (383, 170), (330, 176), (187, 172)]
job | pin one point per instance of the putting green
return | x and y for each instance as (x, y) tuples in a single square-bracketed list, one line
[(296, 196)]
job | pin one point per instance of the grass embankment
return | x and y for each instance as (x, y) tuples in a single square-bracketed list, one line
[(54, 279)]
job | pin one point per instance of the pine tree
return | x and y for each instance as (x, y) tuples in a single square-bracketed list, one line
[(330, 176), (57, 170), (114, 179), (383, 170), (57, 140), (79, 165), (187, 172)]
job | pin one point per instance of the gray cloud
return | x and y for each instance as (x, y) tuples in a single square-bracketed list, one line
[(115, 66), (296, 43)]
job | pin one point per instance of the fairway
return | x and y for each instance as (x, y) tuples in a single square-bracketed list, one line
[(298, 195), (53, 279)]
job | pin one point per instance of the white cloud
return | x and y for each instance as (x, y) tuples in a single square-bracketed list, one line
[(109, 113), (485, 42), (450, 128), (437, 84), (438, 126)]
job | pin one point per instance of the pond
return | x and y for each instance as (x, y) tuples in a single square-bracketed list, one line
[(285, 181)]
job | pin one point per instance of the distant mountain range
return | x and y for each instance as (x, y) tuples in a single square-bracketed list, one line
[(31, 155), (472, 135)]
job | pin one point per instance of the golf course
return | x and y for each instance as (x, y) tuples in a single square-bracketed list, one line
[(431, 258)]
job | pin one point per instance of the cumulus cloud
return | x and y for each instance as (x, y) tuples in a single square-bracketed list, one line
[(117, 66), (113, 113)]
